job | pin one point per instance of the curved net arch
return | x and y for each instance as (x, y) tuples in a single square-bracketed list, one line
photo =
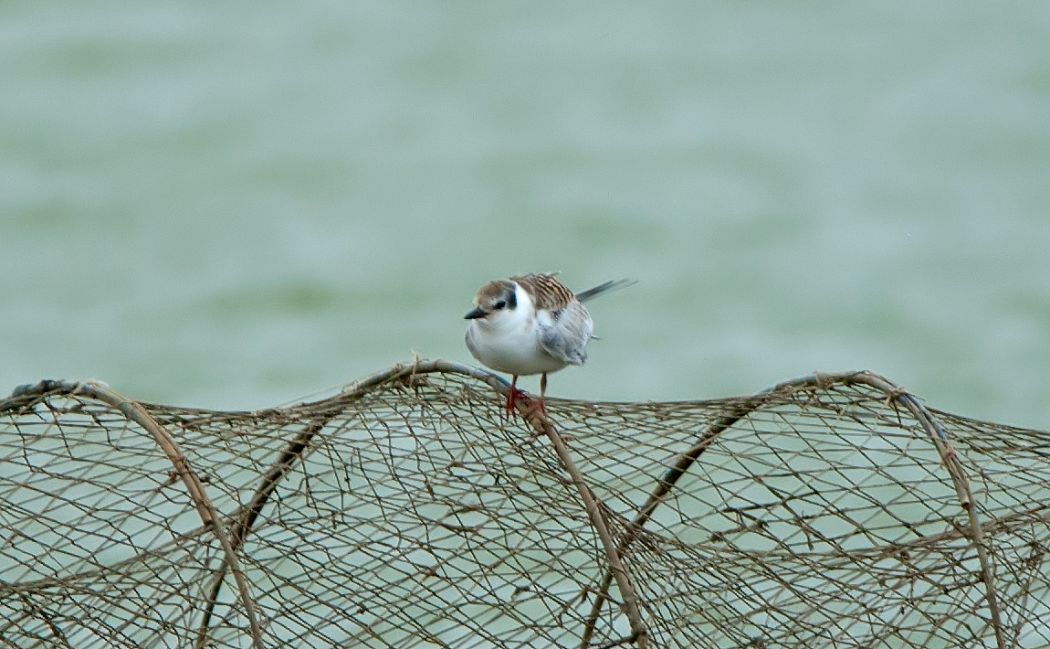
[(410, 511)]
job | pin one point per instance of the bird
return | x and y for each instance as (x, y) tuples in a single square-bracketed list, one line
[(532, 324)]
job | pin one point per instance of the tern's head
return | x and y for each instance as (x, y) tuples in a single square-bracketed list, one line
[(493, 299)]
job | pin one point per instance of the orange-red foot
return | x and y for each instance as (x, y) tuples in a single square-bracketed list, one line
[(513, 394), (512, 397)]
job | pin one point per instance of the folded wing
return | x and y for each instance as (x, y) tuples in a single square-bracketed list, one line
[(564, 333)]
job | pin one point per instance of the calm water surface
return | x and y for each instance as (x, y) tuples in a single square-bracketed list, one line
[(235, 206)]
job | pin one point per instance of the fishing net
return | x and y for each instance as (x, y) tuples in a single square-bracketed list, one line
[(409, 510)]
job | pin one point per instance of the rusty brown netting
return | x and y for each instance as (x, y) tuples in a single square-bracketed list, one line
[(409, 511)]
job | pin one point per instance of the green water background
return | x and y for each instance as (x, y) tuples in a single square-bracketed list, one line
[(239, 204)]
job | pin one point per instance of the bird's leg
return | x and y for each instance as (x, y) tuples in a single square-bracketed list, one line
[(543, 391), (538, 406), (512, 394)]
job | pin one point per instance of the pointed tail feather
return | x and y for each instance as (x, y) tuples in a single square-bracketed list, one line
[(611, 285)]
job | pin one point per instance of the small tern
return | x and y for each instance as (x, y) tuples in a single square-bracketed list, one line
[(532, 324)]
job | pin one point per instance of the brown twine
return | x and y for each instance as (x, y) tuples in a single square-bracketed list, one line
[(834, 510)]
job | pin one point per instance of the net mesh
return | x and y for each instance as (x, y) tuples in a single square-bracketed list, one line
[(410, 510)]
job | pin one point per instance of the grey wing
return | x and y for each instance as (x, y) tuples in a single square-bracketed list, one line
[(566, 333)]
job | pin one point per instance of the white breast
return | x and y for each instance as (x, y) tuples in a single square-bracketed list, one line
[(508, 341)]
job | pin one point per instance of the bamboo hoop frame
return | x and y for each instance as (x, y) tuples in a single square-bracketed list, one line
[(894, 394), (194, 487), (232, 536)]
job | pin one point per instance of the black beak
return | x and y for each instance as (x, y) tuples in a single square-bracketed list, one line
[(475, 313)]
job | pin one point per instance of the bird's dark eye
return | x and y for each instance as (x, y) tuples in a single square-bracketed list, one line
[(500, 304)]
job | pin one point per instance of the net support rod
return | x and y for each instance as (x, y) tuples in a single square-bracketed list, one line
[(134, 411), (893, 394), (295, 449), (612, 550), (540, 424)]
